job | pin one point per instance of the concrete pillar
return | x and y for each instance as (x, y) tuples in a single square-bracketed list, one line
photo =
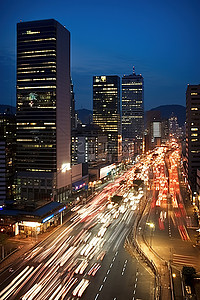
[(16, 228), (61, 218)]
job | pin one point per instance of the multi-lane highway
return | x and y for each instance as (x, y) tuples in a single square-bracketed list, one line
[(164, 226), (167, 213), (86, 256)]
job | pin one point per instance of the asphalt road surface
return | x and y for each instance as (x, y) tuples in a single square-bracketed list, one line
[(85, 258)]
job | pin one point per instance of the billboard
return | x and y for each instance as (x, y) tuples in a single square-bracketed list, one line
[(157, 129), (106, 170)]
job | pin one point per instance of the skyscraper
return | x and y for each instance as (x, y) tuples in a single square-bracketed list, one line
[(132, 107), (106, 112), (72, 108), (7, 154), (192, 133), (43, 110)]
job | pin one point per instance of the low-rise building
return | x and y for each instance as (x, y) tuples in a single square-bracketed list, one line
[(89, 145), (29, 221)]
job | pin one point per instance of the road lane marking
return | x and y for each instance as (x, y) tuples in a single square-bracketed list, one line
[(100, 288), (97, 295), (111, 265), (104, 279), (108, 271), (124, 267)]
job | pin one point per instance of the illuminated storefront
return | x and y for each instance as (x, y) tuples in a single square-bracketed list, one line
[(31, 223)]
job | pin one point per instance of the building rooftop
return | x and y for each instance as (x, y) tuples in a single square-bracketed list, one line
[(49, 208)]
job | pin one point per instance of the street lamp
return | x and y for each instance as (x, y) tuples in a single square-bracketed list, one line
[(152, 228), (92, 184)]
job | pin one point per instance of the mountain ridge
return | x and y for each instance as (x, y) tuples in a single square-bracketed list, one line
[(85, 115), (178, 110)]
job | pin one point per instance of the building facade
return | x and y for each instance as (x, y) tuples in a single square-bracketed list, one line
[(7, 156), (89, 145), (198, 188), (192, 133), (43, 110), (74, 116), (133, 108), (106, 112)]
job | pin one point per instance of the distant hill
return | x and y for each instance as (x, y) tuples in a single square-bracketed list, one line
[(8, 109), (85, 115), (178, 110)]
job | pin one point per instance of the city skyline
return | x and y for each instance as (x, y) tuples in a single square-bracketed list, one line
[(158, 39), (73, 192)]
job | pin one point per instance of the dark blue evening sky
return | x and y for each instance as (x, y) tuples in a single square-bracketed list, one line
[(160, 38)]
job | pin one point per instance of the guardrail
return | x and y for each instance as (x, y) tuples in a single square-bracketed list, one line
[(131, 241), (12, 252), (171, 281)]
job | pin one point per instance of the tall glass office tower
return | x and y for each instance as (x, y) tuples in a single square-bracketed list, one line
[(106, 112), (192, 134), (43, 110), (132, 106)]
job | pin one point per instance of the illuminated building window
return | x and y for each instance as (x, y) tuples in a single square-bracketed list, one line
[(36, 87), (31, 72), (25, 140), (37, 79), (31, 68), (37, 55), (30, 32), (39, 40), (39, 170), (39, 51)]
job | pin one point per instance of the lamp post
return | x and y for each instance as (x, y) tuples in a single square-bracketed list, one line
[(152, 228), (92, 184)]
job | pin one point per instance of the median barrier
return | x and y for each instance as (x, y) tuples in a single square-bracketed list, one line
[(131, 241)]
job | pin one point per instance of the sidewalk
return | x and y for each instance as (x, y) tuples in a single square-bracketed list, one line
[(24, 245), (160, 263), (161, 251), (192, 221)]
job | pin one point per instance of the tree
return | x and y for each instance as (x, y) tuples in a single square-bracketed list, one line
[(188, 271), (3, 239), (188, 275), (116, 199)]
